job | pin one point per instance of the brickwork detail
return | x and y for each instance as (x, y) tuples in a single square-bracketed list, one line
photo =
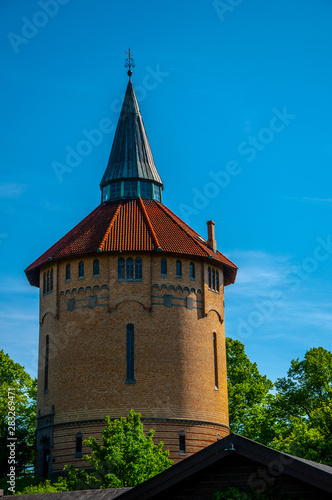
[(174, 320)]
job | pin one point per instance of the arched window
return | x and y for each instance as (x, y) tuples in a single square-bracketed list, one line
[(47, 350), (96, 268), (68, 272), (213, 279), (182, 443), (81, 270), (217, 280), (192, 271), (163, 267), (130, 354), (138, 268), (121, 269), (209, 277), (178, 269), (130, 269), (48, 282), (215, 361), (79, 442), (44, 283), (51, 281)]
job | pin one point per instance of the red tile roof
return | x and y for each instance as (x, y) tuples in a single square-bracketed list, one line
[(131, 226)]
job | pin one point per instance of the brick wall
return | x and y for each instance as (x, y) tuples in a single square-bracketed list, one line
[(174, 320)]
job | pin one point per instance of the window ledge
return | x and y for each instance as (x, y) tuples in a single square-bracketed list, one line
[(96, 276), (182, 453), (216, 388), (79, 454), (81, 278), (68, 281), (45, 391), (130, 381)]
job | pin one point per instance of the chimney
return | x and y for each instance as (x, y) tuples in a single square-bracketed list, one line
[(211, 238)]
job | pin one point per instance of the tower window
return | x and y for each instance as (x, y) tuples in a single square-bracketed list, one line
[(130, 354), (48, 282), (145, 189), (138, 268), (130, 269), (192, 271), (115, 190), (163, 267), (215, 361), (182, 443), (126, 269), (51, 280), (68, 273), (156, 192), (130, 189), (121, 269), (213, 279), (81, 270), (96, 268), (47, 351), (44, 283), (178, 269), (79, 445)]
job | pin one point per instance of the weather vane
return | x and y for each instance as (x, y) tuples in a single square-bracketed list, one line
[(129, 62)]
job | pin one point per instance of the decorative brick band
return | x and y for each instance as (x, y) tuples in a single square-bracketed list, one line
[(148, 420)]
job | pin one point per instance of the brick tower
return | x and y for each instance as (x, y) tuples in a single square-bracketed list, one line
[(131, 316)]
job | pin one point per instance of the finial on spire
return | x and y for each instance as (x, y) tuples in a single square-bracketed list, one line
[(129, 63)]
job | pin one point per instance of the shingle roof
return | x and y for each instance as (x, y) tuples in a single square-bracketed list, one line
[(131, 156), (133, 225)]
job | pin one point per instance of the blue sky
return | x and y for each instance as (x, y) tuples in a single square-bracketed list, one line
[(236, 100)]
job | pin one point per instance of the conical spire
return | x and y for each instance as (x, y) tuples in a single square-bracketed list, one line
[(131, 171)]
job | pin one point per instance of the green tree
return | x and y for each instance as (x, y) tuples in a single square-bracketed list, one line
[(249, 395), (125, 457), (307, 386), (24, 387), (303, 408)]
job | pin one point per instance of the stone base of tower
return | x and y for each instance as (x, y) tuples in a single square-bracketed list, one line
[(182, 438)]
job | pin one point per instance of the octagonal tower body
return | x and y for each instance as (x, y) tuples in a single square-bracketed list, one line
[(131, 317)]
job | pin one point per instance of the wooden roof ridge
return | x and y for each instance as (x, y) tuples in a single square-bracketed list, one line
[(111, 224), (314, 474), (149, 223)]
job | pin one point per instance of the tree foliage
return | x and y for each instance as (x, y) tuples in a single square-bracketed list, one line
[(303, 408), (13, 376), (125, 457), (249, 395), (297, 419)]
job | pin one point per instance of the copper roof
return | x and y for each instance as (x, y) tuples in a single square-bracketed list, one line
[(131, 156), (134, 225)]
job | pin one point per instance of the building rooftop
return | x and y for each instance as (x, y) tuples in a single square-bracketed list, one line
[(131, 225)]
